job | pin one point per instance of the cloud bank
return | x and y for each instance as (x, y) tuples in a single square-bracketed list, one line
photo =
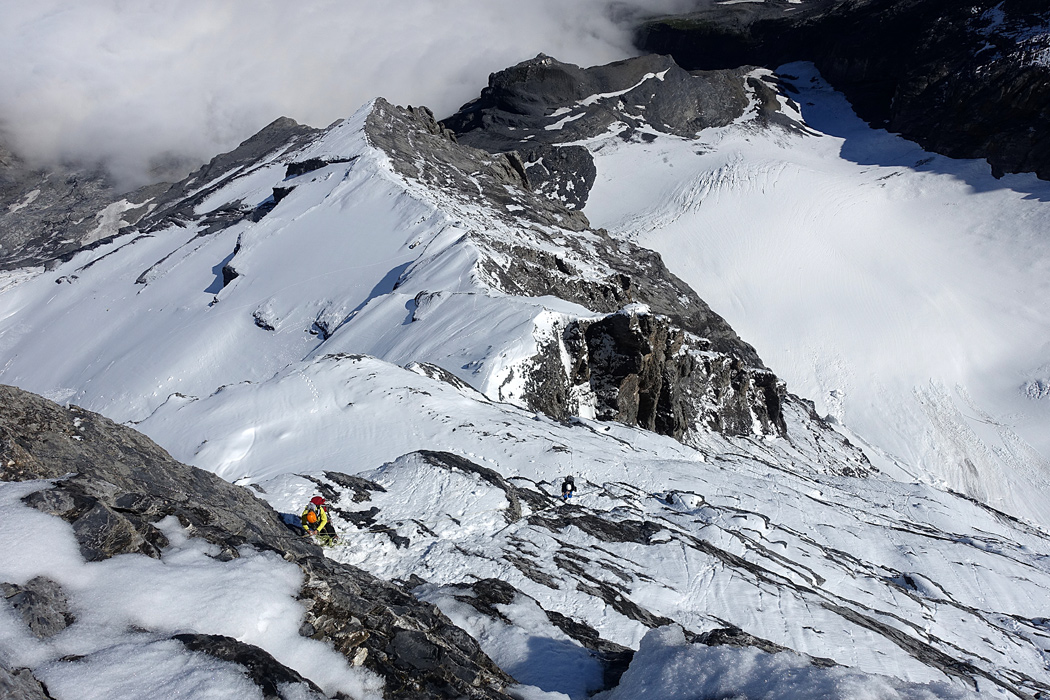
[(151, 88)]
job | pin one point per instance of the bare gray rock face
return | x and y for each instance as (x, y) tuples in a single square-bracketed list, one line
[(544, 101), (112, 484), (642, 369), (20, 684), (42, 605), (276, 680), (645, 371), (47, 214)]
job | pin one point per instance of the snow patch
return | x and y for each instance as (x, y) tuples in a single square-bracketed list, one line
[(26, 201), (666, 667)]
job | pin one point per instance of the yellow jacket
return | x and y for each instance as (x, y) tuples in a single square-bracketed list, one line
[(319, 513)]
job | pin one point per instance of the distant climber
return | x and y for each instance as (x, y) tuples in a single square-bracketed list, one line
[(568, 487), (316, 522)]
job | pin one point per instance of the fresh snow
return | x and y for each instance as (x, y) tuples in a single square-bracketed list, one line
[(667, 668)]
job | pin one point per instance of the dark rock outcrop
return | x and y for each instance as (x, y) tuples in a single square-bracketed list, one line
[(21, 684), (968, 80), (42, 605), (47, 214), (539, 106), (112, 484), (641, 369), (543, 101), (645, 371)]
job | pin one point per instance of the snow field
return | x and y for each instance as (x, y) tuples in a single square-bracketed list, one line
[(668, 668), (904, 292)]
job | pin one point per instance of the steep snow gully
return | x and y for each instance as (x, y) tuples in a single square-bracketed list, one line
[(432, 335)]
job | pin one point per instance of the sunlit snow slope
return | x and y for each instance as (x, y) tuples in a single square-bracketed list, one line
[(907, 293), (182, 310), (900, 580)]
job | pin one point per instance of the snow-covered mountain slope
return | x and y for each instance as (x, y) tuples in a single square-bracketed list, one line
[(381, 236), (896, 579), (966, 80), (907, 294), (399, 321)]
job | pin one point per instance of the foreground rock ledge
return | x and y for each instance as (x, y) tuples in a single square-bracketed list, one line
[(113, 484)]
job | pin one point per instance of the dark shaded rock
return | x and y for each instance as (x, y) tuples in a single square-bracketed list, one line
[(427, 369), (119, 482), (180, 201), (562, 173), (422, 149), (311, 164), (736, 637), (615, 658), (531, 571), (520, 102), (42, 604), (962, 79), (617, 599), (486, 594), (262, 669), (46, 216), (602, 529), (641, 369), (642, 373), (360, 486)]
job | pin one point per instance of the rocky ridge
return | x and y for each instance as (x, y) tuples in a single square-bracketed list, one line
[(49, 214), (52, 214), (659, 374), (544, 109)]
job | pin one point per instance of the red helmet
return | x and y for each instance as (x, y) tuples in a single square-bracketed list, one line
[(317, 500)]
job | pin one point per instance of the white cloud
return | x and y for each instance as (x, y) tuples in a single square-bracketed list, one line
[(141, 83)]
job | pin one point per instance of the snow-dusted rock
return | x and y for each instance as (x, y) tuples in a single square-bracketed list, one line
[(128, 501)]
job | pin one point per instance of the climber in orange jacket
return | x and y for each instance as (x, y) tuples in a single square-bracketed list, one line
[(315, 521)]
